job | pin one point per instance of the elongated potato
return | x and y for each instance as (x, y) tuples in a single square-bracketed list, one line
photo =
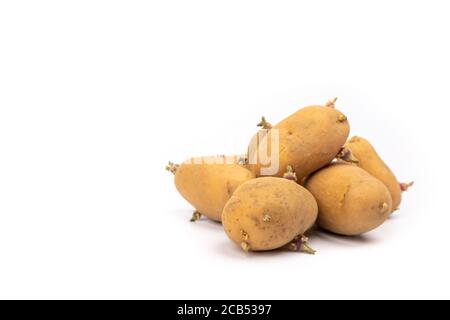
[(207, 183), (351, 201), (369, 160), (307, 140), (267, 213)]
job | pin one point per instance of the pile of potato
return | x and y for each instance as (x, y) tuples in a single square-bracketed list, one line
[(322, 179)]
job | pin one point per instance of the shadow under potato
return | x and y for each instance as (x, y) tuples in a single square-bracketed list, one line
[(394, 215), (318, 233), (232, 250)]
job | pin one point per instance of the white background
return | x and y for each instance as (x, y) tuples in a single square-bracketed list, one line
[(96, 96)]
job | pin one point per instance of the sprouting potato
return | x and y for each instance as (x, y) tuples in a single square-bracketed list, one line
[(369, 160), (207, 183), (350, 200), (307, 140), (268, 213)]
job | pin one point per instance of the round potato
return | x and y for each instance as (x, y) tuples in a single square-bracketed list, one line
[(370, 161), (307, 140), (208, 183), (268, 213), (351, 201)]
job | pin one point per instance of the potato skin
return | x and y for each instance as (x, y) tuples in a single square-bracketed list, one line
[(370, 161), (308, 140), (351, 201), (267, 213), (208, 187)]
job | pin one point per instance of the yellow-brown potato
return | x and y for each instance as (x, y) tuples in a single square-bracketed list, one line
[(351, 201), (267, 213), (370, 161), (207, 183), (308, 140)]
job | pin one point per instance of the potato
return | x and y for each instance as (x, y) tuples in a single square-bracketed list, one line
[(207, 183), (308, 140), (268, 213), (370, 161), (350, 200)]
